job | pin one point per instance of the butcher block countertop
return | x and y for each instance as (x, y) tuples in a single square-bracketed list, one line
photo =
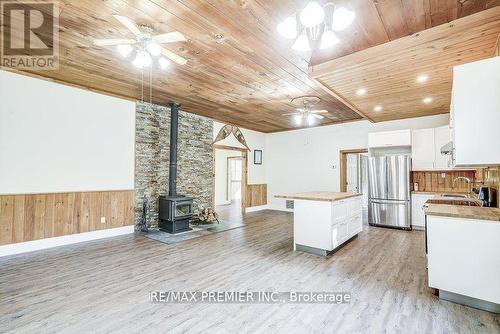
[(325, 196), (440, 199), (460, 211)]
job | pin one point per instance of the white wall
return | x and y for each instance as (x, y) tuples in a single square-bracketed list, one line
[(221, 175), (56, 138), (308, 159), (256, 141)]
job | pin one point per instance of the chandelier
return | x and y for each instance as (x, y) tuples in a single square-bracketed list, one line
[(316, 23)]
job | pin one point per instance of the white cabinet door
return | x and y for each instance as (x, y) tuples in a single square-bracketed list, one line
[(389, 138), (339, 233), (422, 149), (476, 116), (417, 212), (441, 137), (355, 225)]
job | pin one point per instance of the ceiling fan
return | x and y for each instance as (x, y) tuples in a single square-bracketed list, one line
[(305, 111), (145, 44)]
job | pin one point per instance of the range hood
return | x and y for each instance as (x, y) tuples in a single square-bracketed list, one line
[(447, 149)]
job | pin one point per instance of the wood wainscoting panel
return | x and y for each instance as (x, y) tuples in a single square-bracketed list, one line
[(435, 182), (256, 195), (28, 217)]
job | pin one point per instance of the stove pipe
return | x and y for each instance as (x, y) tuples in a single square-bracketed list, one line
[(174, 129)]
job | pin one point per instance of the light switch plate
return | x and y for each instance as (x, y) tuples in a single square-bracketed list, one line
[(103, 220)]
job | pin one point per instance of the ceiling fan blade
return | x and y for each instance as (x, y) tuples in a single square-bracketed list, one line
[(129, 24), (322, 111), (291, 114), (175, 58), (317, 116), (169, 37), (113, 41)]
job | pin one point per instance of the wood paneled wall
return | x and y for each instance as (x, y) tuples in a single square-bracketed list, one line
[(256, 194), (31, 217), (434, 180)]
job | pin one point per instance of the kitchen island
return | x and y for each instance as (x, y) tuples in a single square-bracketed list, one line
[(325, 221), (463, 253)]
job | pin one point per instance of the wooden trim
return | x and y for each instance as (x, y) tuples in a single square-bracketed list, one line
[(230, 148), (244, 171), (341, 99), (343, 165), (497, 46), (65, 192)]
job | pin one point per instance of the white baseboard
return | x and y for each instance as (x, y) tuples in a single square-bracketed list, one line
[(279, 208), (30, 246), (256, 208)]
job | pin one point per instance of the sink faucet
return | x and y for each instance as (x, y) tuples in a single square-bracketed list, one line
[(469, 183)]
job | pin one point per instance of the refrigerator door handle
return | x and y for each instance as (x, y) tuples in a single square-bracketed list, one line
[(389, 201)]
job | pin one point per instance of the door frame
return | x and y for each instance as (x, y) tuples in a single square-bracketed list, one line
[(244, 172), (343, 165)]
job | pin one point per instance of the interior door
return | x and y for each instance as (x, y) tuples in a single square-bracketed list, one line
[(377, 177), (352, 173), (398, 177)]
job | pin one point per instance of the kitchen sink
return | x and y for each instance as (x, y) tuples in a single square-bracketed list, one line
[(456, 195)]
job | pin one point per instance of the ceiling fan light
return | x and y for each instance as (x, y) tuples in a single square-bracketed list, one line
[(154, 48), (164, 63), (310, 119), (312, 15), (328, 40), (301, 43), (288, 28), (124, 50), (297, 119), (342, 18), (143, 59)]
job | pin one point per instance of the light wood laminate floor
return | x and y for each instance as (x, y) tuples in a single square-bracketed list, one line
[(103, 286)]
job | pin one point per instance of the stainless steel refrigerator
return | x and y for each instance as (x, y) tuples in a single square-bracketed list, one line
[(389, 201)]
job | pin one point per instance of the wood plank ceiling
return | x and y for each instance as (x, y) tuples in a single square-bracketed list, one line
[(249, 77), (389, 72)]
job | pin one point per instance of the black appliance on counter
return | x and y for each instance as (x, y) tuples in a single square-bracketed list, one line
[(488, 196), (174, 211)]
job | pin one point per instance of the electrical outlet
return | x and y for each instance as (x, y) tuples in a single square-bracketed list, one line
[(443, 175), (103, 220)]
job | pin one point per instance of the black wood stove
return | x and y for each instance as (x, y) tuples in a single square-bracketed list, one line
[(175, 211)]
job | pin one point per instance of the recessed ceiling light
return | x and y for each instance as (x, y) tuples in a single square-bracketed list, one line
[(219, 38), (428, 100), (361, 91), (422, 78), (377, 108)]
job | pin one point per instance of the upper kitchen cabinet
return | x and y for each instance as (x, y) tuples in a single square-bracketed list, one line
[(442, 136), (422, 149), (389, 139), (476, 113), (426, 149)]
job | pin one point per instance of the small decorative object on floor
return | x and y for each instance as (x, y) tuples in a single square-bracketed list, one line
[(146, 214), (206, 216)]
